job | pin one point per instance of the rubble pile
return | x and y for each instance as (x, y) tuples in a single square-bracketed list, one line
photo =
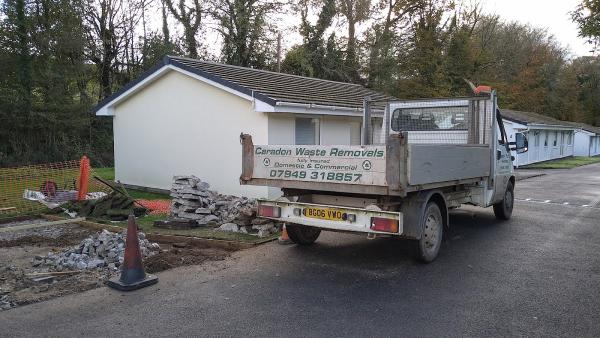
[(116, 206), (193, 201), (101, 250)]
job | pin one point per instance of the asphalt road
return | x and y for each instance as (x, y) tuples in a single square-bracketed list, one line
[(536, 275)]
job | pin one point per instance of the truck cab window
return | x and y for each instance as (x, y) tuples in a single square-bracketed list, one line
[(429, 119)]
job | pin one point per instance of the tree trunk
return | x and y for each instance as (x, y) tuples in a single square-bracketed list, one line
[(190, 41)]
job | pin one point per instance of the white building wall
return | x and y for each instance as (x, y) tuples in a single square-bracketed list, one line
[(178, 126), (583, 143), (595, 145), (333, 130), (542, 145)]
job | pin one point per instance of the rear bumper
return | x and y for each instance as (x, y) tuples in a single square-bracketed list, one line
[(361, 224)]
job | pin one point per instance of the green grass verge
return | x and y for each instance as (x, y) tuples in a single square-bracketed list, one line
[(564, 163), (144, 195), (107, 173), (146, 225)]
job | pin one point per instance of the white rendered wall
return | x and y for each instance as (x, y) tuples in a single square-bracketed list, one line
[(179, 126), (537, 151), (582, 143)]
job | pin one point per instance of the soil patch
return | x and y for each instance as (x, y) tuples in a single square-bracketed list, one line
[(66, 239), (174, 257), (18, 249)]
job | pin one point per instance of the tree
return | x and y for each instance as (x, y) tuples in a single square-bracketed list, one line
[(19, 44), (321, 55), (190, 18), (587, 16), (243, 26), (384, 39), (355, 12), (109, 26), (422, 58)]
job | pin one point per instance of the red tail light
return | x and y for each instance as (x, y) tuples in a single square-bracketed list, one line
[(269, 211), (384, 224)]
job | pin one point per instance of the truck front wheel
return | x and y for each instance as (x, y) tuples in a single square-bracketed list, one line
[(503, 209), (432, 223), (302, 234)]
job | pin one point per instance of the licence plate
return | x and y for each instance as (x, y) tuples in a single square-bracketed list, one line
[(324, 213)]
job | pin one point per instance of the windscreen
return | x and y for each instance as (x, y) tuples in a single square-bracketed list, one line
[(429, 119)]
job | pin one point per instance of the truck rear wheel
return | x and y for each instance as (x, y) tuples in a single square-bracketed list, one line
[(503, 209), (432, 223), (302, 234)]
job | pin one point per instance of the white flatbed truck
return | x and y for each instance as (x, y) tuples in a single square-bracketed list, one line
[(438, 154)]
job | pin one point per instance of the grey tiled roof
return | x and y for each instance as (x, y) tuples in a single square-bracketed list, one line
[(586, 127), (529, 117), (274, 87)]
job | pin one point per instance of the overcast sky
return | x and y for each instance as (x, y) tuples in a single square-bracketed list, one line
[(550, 14)]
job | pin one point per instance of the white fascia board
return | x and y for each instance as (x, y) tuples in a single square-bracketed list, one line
[(550, 127), (108, 108), (514, 124), (307, 109), (106, 111), (585, 132)]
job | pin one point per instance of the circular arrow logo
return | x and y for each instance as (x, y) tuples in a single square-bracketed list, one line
[(266, 161), (366, 165)]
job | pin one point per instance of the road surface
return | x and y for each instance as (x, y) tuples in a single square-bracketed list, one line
[(537, 275)]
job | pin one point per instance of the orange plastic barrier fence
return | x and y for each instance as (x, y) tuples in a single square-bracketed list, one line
[(30, 189)]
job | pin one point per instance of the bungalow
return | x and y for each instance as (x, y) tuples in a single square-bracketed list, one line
[(549, 138), (587, 139), (185, 116)]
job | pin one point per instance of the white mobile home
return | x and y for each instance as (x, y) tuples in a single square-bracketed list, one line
[(549, 138), (185, 117), (587, 140)]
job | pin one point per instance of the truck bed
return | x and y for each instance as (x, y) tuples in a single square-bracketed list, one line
[(392, 169)]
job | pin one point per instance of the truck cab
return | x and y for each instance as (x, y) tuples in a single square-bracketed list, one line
[(438, 154)]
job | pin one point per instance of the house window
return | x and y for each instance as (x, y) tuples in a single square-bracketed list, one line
[(545, 139), (555, 138), (537, 139), (307, 131), (569, 139)]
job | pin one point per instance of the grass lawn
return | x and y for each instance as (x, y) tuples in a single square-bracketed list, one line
[(146, 225), (108, 174), (564, 163)]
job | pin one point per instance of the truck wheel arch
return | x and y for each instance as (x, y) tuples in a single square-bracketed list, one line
[(414, 207)]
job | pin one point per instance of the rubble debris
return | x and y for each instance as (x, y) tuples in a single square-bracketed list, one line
[(101, 250), (193, 201), (25, 252), (115, 206)]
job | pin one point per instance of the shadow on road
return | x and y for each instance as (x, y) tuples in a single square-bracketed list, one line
[(468, 229)]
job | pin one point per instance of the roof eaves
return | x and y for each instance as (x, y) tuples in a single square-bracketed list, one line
[(523, 122), (223, 82), (131, 84)]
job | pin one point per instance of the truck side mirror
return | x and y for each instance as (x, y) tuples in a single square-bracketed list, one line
[(521, 143)]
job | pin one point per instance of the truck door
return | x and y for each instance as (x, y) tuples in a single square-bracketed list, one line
[(503, 161)]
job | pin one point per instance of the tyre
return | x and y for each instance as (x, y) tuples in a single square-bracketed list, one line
[(432, 223), (302, 234), (503, 209)]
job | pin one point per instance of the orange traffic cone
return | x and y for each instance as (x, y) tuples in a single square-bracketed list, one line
[(133, 276), (284, 238)]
